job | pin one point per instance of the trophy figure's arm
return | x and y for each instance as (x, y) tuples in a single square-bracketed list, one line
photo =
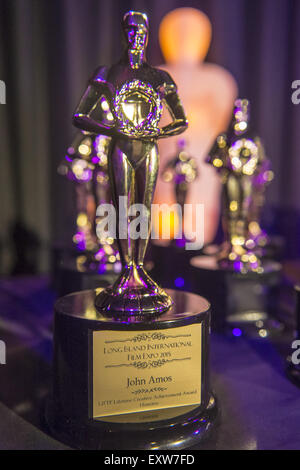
[(83, 118), (180, 122)]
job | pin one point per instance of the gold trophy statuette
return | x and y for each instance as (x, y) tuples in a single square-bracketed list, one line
[(245, 171), (134, 92), (131, 365)]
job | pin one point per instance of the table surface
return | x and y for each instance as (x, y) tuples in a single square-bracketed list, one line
[(260, 407)]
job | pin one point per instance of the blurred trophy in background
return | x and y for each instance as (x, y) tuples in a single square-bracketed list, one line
[(86, 164), (180, 172), (245, 275), (245, 172)]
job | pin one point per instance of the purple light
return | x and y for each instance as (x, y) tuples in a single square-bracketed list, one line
[(179, 282), (102, 268), (238, 266), (80, 241), (236, 332), (180, 242)]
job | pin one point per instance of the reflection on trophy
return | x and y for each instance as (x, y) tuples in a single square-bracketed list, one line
[(131, 360), (181, 171), (245, 172), (86, 164)]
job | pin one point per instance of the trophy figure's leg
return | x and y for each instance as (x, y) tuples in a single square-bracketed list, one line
[(134, 168), (122, 179), (146, 176)]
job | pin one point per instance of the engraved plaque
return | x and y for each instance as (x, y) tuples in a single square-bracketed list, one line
[(137, 371)]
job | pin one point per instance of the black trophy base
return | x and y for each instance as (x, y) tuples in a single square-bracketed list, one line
[(243, 304), (254, 324), (96, 368), (185, 429)]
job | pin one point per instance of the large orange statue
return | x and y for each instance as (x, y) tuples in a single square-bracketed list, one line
[(208, 92)]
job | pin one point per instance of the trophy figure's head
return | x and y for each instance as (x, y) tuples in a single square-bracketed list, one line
[(136, 30)]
